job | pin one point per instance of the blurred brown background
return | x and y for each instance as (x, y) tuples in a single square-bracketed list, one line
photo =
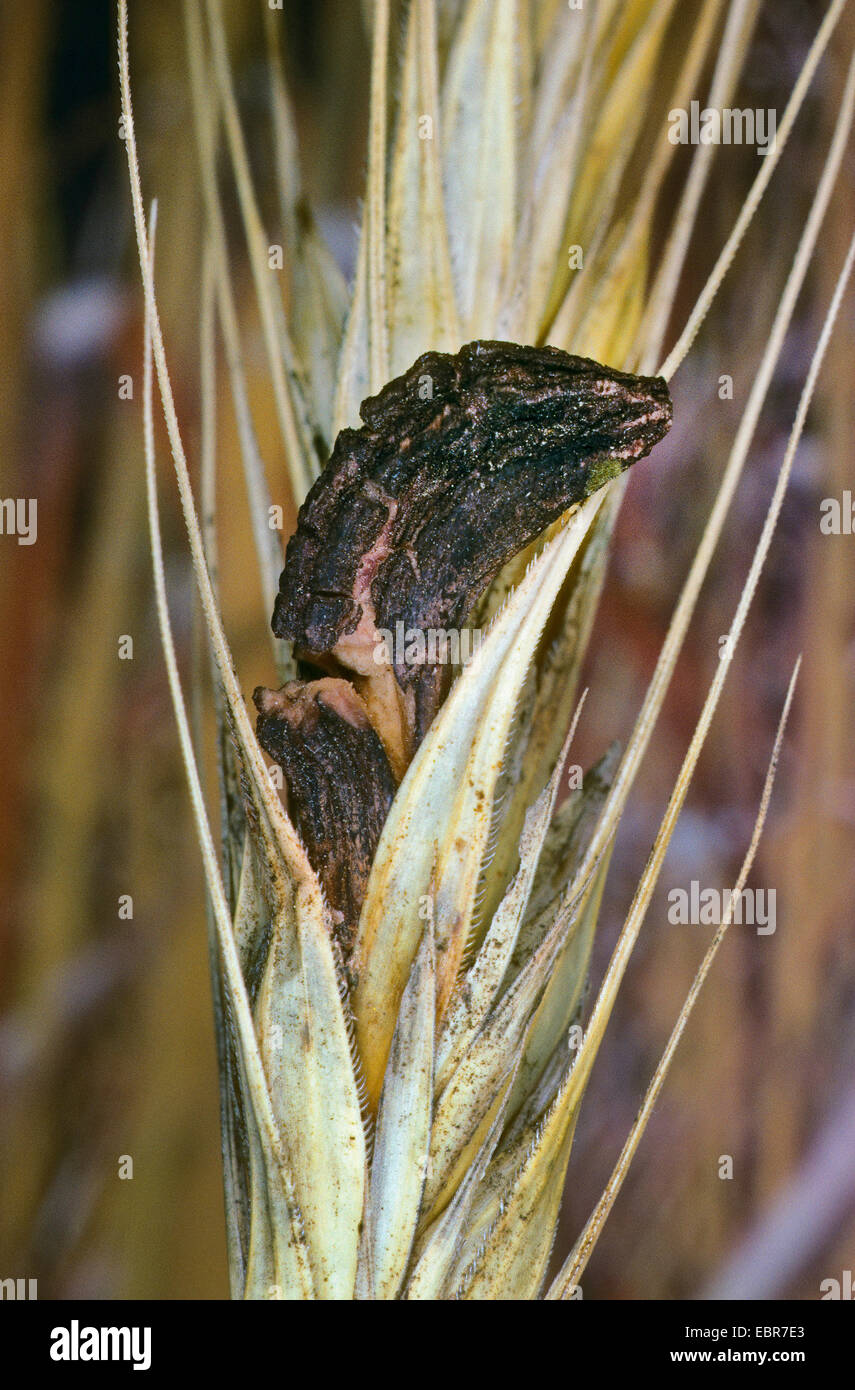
[(106, 1040)]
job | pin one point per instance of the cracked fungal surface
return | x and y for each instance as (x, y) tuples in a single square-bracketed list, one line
[(460, 464)]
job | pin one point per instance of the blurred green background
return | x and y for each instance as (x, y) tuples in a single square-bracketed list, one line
[(106, 1036)]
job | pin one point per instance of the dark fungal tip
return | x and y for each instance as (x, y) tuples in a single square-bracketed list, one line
[(460, 463)]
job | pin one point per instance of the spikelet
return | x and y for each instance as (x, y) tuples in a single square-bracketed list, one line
[(399, 1110)]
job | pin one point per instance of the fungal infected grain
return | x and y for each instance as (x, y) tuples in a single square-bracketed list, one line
[(339, 784), (416, 512)]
